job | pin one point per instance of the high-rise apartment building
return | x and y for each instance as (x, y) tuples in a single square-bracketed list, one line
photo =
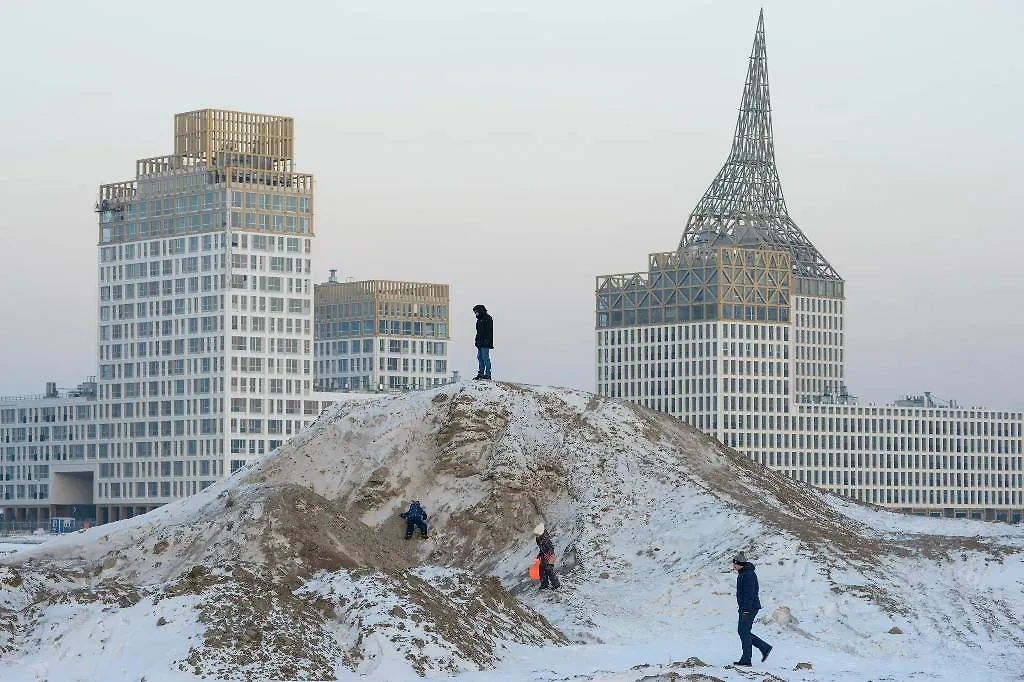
[(380, 335), (205, 339), (205, 335), (740, 332)]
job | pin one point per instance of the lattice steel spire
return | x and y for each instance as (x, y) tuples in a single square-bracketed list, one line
[(744, 205)]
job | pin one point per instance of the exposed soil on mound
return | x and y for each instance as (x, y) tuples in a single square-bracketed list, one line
[(298, 565), (250, 558)]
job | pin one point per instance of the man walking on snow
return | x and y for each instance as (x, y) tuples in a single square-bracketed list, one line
[(548, 579), (484, 341), (749, 604)]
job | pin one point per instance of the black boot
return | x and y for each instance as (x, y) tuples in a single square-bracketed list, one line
[(479, 376)]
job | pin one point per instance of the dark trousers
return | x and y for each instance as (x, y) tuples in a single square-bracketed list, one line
[(747, 638), (548, 579), (410, 524)]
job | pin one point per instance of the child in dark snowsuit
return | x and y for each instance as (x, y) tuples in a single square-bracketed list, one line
[(548, 579), (415, 517)]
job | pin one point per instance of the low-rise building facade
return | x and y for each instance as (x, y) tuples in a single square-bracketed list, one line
[(380, 335)]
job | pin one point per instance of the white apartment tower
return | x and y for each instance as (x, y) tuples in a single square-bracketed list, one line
[(739, 331), (205, 309), (380, 335)]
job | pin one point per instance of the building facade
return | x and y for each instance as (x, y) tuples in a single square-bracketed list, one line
[(739, 331), (205, 338), (50, 449), (379, 335)]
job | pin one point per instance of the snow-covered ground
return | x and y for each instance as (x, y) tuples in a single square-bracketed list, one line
[(294, 568), (10, 544)]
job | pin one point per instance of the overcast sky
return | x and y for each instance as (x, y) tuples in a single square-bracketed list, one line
[(517, 150)]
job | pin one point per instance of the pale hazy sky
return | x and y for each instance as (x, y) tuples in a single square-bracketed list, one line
[(517, 150)]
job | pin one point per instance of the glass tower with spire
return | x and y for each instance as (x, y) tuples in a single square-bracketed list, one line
[(739, 331)]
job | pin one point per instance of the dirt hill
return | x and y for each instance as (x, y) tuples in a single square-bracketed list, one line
[(296, 566)]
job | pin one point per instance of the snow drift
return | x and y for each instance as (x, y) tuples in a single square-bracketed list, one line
[(295, 566)]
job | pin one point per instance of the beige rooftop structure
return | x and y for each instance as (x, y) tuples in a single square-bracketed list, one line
[(208, 133)]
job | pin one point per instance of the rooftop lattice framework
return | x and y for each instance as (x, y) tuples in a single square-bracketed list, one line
[(228, 169), (203, 133), (744, 206), (752, 285)]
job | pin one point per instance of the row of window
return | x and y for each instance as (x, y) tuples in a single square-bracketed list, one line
[(269, 221), (830, 322), (178, 307), (62, 413), (889, 444), (273, 386), (331, 312), (167, 287), (113, 449), (950, 414), (168, 227), (830, 306), (168, 347), (242, 261), (694, 332), (273, 427), (819, 338), (269, 243), (26, 492), (272, 284), (160, 469), (162, 247), (190, 202), (116, 490), (255, 406), (278, 325), (349, 328), (26, 472)]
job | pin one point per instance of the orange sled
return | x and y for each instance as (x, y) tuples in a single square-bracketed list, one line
[(535, 569)]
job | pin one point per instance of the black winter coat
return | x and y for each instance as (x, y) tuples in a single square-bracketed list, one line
[(547, 547), (746, 590), (484, 331)]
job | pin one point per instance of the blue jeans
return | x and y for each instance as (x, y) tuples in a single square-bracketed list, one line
[(483, 360), (747, 638)]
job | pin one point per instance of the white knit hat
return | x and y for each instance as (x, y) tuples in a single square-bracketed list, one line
[(539, 530)]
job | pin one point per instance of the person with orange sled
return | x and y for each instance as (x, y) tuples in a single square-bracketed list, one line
[(546, 556)]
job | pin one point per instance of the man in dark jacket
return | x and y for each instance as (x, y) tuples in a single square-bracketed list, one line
[(548, 579), (415, 517), (749, 604), (484, 341)]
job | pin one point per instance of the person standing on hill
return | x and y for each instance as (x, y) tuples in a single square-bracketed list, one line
[(749, 604), (415, 517), (548, 579), (484, 341)]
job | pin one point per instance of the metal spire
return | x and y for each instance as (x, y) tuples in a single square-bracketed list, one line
[(744, 205)]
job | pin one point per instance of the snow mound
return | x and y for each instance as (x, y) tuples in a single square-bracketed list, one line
[(295, 567)]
